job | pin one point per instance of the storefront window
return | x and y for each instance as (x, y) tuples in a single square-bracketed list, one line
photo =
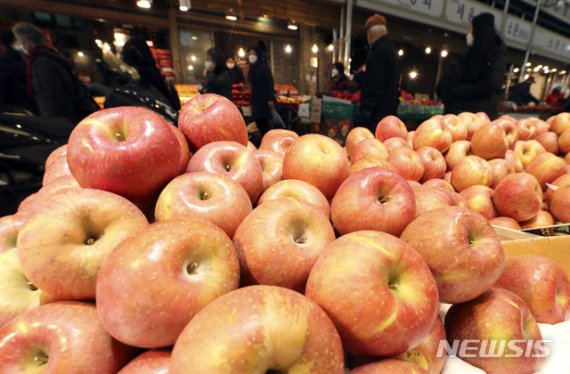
[(193, 45)]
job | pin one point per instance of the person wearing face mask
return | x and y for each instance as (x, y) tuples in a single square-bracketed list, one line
[(380, 84), (262, 87), (339, 80), (217, 79), (477, 82), (13, 76), (235, 72)]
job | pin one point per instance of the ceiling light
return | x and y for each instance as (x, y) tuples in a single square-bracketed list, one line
[(146, 4), (292, 25), (444, 53), (193, 58), (516, 70), (401, 52), (428, 50), (231, 17), (562, 72), (190, 67), (80, 54), (184, 5), (99, 43), (288, 49), (241, 53), (330, 48), (528, 64), (194, 37), (315, 48), (413, 74)]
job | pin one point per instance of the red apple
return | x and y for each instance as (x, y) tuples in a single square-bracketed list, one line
[(473, 122), (549, 140), (184, 149), (560, 123), (457, 127), (527, 129), (410, 138), (440, 183), (62, 246), (471, 171), (62, 337), (210, 197), (150, 362), (560, 204), (391, 127), (426, 354), (271, 164), (355, 136), (478, 199), (395, 143), (518, 196), (407, 162), (261, 329), (542, 219), (278, 140), (432, 198), (56, 165), (461, 249), (10, 227), (541, 283), (564, 142), (496, 318), (211, 118), (280, 241), (457, 152), (490, 142), (390, 365), (500, 168), (433, 133), (414, 184), (546, 167), (507, 222), (298, 190), (318, 160), (514, 160), (484, 117), (369, 149), (383, 299), (434, 163), (154, 282), (232, 160), (372, 163), (511, 130), (130, 151), (373, 199), (559, 182)]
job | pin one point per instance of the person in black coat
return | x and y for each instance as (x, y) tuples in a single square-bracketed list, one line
[(236, 74), (477, 84), (521, 93), (217, 79), (380, 86), (13, 75), (262, 87)]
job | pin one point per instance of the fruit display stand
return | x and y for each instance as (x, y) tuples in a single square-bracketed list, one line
[(337, 118), (412, 111), (186, 92)]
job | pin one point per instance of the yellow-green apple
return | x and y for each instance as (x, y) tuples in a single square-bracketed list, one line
[(528, 150), (426, 354), (298, 190), (499, 333), (61, 337), (390, 365), (391, 127), (130, 151), (546, 167), (549, 140), (514, 160), (251, 146), (541, 283), (542, 219), (434, 163), (473, 122), (507, 222), (184, 148), (271, 164), (318, 160), (373, 199), (259, 329), (489, 142), (471, 171), (461, 249), (440, 183), (456, 125), (407, 163), (500, 168), (56, 165), (369, 149), (560, 123), (527, 129), (518, 196), (564, 142), (210, 197), (355, 136), (560, 204), (280, 241), (17, 294), (211, 118), (372, 163), (278, 140), (559, 182), (232, 160), (150, 362), (478, 199), (154, 282), (457, 152), (382, 286), (432, 198), (433, 133), (10, 227), (62, 246), (395, 143), (511, 130)]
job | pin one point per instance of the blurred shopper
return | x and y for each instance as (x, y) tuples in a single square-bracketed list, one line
[(13, 75), (235, 72), (51, 80), (217, 79), (477, 84), (339, 80), (137, 54), (521, 93), (262, 87), (555, 97), (380, 86)]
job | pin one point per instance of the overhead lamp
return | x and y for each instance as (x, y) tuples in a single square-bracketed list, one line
[(99, 43), (80, 54), (230, 16), (190, 67), (528, 64), (193, 58), (516, 70), (120, 38), (526, 76), (413, 74), (444, 53), (288, 49), (562, 72), (194, 37), (184, 5), (554, 70), (536, 68), (315, 48), (145, 4), (241, 53), (330, 48), (292, 25), (400, 52), (106, 47), (428, 50)]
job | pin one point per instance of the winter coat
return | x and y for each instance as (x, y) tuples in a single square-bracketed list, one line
[(262, 89)]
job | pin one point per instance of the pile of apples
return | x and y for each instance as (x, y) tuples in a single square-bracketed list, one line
[(160, 249)]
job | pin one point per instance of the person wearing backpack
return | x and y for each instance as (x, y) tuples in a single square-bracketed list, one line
[(51, 81)]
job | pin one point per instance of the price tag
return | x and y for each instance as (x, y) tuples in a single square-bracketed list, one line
[(463, 11)]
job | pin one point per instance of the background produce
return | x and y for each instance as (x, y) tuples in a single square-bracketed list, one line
[(299, 256)]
